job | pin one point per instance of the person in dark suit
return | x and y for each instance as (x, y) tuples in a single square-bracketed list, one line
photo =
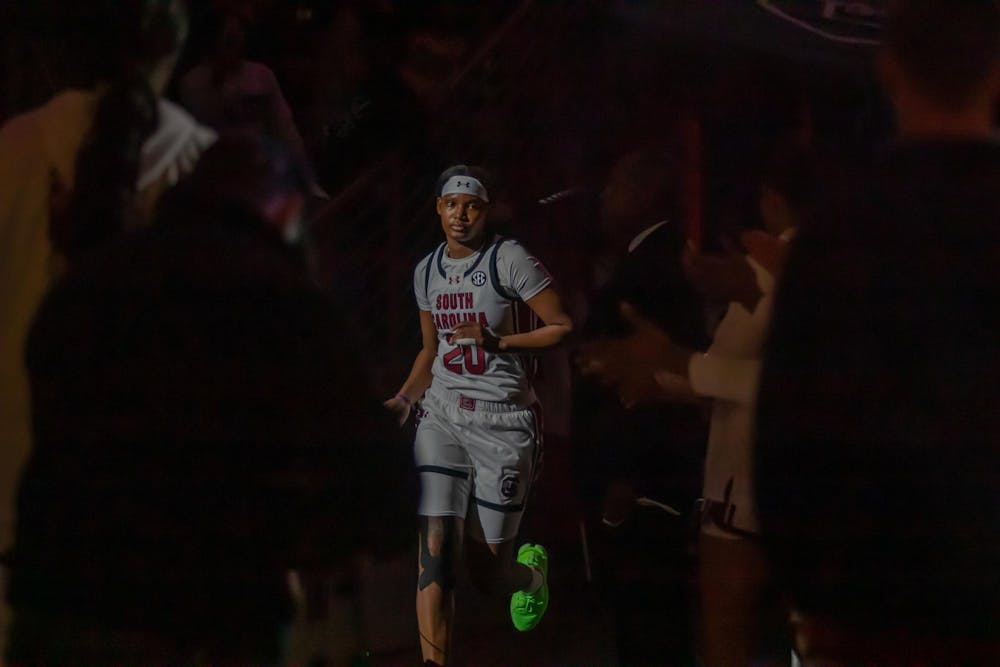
[(654, 450)]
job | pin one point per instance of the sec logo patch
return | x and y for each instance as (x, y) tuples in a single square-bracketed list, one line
[(479, 278)]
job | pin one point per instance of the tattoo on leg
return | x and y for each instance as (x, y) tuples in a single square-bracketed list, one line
[(437, 568)]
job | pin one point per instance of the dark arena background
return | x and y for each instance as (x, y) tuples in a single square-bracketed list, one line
[(546, 93), (692, 117)]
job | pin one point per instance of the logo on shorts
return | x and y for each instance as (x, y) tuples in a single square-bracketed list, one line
[(478, 278), (508, 486)]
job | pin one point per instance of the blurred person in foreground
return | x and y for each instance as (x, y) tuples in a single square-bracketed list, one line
[(113, 139), (740, 617), (202, 425), (878, 430)]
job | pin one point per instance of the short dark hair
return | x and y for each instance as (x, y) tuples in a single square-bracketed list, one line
[(947, 48), (475, 172)]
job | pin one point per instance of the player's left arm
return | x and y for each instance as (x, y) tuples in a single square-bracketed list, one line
[(524, 276), (557, 325), (546, 305)]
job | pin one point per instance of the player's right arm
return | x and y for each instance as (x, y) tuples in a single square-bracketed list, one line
[(420, 374)]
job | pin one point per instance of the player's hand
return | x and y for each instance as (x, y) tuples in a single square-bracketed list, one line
[(474, 333), (400, 408)]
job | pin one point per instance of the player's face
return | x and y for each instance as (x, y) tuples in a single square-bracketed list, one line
[(463, 217)]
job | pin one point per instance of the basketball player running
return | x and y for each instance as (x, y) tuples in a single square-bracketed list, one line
[(477, 443)]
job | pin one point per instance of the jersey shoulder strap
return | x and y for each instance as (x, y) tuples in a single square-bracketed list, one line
[(495, 274), (431, 260)]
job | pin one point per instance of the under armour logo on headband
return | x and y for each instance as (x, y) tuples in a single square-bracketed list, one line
[(465, 185)]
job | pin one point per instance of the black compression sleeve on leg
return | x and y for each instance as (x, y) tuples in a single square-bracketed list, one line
[(439, 568)]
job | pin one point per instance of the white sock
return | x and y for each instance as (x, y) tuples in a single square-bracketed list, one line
[(536, 581)]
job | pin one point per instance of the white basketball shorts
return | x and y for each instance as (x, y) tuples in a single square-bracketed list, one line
[(476, 460)]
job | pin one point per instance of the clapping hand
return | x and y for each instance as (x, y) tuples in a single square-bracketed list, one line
[(628, 364), (724, 278)]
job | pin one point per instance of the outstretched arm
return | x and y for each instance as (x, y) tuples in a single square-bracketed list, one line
[(420, 374), (629, 363)]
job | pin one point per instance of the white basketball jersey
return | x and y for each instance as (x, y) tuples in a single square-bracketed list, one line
[(490, 286)]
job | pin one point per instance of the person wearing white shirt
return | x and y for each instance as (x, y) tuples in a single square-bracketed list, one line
[(735, 610)]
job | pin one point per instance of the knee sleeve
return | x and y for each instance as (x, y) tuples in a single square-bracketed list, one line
[(439, 568)]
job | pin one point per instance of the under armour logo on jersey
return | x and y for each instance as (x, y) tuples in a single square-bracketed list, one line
[(479, 278), (454, 280)]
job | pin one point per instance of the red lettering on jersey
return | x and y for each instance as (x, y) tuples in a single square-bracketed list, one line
[(452, 320), (450, 360), (472, 357), (457, 301), (475, 365), (482, 319)]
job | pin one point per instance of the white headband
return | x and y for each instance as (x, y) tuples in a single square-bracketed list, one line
[(465, 185)]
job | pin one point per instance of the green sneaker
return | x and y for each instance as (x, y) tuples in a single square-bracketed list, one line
[(527, 609)]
